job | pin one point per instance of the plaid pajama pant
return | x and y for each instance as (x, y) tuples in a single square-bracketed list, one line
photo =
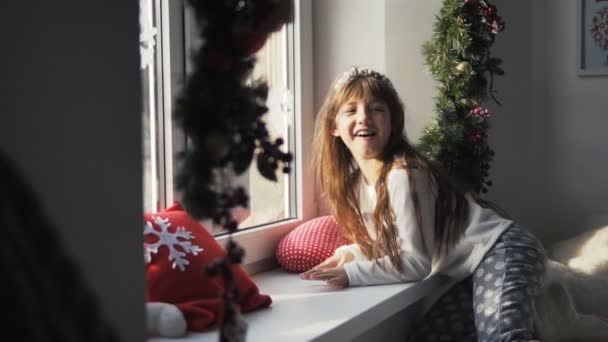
[(494, 304)]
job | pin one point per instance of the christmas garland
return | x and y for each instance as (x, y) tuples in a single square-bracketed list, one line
[(222, 114), (458, 56)]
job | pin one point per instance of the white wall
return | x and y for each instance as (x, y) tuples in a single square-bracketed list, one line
[(346, 33), (550, 136), (409, 24), (70, 104), (517, 133)]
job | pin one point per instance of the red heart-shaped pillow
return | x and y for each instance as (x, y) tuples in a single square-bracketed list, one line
[(309, 244)]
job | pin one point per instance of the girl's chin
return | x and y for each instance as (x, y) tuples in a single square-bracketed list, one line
[(368, 155)]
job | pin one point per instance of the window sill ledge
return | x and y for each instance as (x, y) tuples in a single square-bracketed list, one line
[(311, 311)]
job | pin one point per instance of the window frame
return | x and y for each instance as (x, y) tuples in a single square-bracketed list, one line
[(259, 242), (169, 72)]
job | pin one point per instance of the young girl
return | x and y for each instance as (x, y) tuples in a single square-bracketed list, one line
[(408, 221)]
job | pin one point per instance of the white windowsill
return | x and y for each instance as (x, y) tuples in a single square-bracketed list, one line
[(312, 311)]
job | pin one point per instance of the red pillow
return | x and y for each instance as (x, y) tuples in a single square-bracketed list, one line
[(177, 250), (310, 244)]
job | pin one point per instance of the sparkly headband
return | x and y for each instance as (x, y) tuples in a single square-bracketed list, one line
[(356, 72)]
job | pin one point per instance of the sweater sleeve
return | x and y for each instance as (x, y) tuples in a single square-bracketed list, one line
[(415, 244), (353, 248)]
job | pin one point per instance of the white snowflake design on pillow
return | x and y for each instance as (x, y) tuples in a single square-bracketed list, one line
[(165, 238)]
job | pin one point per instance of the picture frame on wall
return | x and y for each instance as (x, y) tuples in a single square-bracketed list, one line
[(593, 38)]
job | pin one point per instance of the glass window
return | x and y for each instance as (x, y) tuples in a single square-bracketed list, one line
[(273, 201), (165, 39)]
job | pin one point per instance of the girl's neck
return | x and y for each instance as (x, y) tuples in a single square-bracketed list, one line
[(370, 168)]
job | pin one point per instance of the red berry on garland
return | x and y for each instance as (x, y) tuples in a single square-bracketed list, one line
[(280, 13), (478, 135), (480, 112), (497, 26), (491, 10), (249, 43), (217, 61)]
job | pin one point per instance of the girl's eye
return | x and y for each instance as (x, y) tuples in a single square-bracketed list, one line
[(378, 109)]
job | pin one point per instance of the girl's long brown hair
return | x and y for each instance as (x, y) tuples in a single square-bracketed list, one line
[(337, 175)]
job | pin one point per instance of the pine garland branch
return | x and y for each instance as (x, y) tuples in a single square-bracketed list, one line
[(458, 57)]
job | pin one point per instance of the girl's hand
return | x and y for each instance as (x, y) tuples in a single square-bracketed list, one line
[(331, 270), (335, 276), (331, 262)]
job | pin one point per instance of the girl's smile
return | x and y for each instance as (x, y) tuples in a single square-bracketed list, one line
[(364, 126)]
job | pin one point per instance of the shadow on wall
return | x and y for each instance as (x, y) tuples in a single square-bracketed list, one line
[(41, 276)]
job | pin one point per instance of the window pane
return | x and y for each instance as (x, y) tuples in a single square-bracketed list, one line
[(269, 201)]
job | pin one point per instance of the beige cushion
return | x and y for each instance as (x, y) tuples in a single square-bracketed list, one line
[(573, 305)]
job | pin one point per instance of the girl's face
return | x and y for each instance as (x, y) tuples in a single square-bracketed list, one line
[(364, 125)]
